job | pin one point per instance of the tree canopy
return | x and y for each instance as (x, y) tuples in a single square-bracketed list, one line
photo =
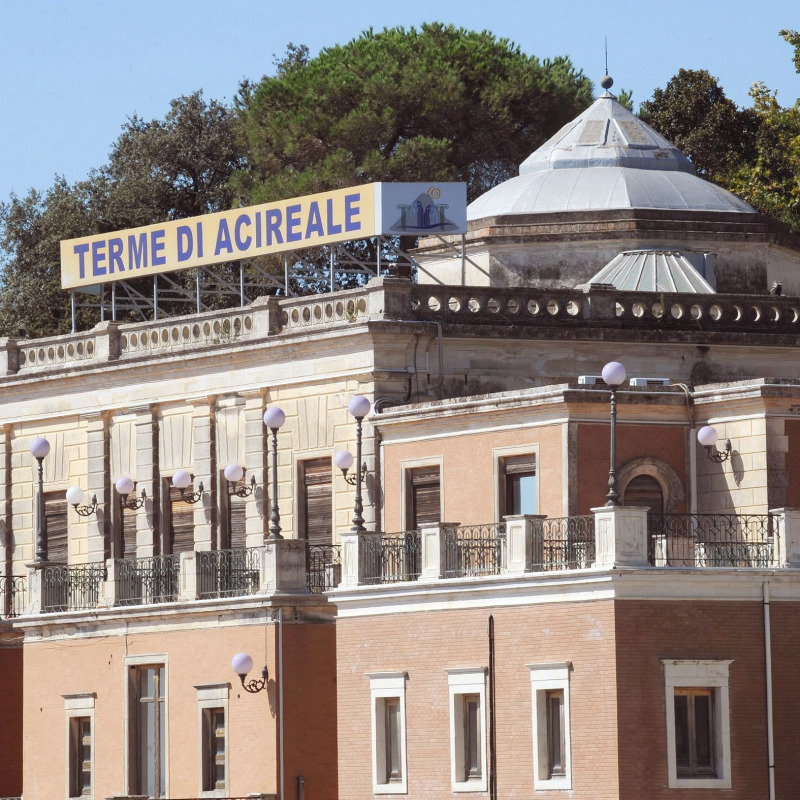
[(439, 103), (163, 169)]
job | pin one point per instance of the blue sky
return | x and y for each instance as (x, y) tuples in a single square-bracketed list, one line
[(72, 71)]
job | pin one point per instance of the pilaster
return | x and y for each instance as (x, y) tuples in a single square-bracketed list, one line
[(205, 472), (255, 453), (98, 481), (147, 479)]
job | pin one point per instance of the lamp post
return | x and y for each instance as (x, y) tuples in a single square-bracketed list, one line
[(233, 474), (75, 498), (707, 436), (124, 487), (241, 664), (359, 407), (613, 374), (40, 447), (274, 419)]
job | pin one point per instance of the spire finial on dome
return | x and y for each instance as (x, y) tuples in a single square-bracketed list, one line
[(606, 82)]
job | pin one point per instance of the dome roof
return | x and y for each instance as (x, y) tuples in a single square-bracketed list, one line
[(655, 271), (606, 158)]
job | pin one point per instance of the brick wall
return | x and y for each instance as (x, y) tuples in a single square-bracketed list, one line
[(10, 720), (426, 644)]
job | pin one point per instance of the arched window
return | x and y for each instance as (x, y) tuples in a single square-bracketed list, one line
[(645, 490)]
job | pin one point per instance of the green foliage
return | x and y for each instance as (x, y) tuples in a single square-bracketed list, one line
[(438, 103), (164, 169), (695, 115), (770, 181), (793, 37)]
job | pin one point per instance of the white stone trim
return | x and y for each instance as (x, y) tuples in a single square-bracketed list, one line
[(213, 695), (711, 673), (499, 474), (142, 660), (544, 678), (462, 681), (408, 464), (384, 685), (76, 706)]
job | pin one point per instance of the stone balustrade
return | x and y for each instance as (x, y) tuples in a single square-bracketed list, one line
[(393, 299)]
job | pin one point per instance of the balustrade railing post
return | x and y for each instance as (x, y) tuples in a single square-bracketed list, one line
[(35, 600), (189, 585), (266, 315), (620, 536), (524, 542), (434, 545), (787, 537), (361, 558), (110, 595), (283, 567)]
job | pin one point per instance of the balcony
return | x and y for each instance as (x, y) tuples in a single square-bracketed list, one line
[(12, 595), (609, 538)]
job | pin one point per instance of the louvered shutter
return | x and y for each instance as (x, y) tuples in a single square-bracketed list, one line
[(128, 538), (181, 521), (517, 465), (317, 479), (425, 497), (237, 534), (55, 512)]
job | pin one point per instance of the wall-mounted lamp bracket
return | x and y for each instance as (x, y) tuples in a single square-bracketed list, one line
[(86, 511), (243, 491), (134, 503), (719, 456), (351, 477), (253, 686)]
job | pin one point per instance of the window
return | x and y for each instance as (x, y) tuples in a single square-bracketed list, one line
[(147, 730), (80, 757), (387, 695), (316, 498), (212, 702), (180, 520), (467, 687), (80, 746), (521, 492), (551, 735), (424, 497), (125, 529), (698, 724), (55, 514), (234, 514)]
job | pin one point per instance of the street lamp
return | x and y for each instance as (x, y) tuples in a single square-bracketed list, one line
[(707, 436), (182, 480), (75, 498), (274, 419), (124, 487), (359, 407), (241, 664), (233, 474), (614, 375), (40, 447)]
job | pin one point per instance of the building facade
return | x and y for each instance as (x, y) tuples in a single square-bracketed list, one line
[(495, 629)]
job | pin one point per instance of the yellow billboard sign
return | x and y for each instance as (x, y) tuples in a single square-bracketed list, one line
[(214, 238), (341, 215)]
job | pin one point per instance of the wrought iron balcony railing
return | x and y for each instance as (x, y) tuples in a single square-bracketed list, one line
[(392, 557), (563, 543), (473, 550), (228, 573), (323, 567), (72, 588), (148, 580), (12, 595), (711, 540)]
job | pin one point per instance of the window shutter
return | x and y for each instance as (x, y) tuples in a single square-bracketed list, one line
[(516, 465), (181, 522), (237, 533), (317, 476), (425, 497), (128, 542), (55, 512)]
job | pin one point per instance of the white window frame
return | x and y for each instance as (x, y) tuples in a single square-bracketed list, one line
[(382, 686), (154, 659), (213, 695), (547, 678), (466, 681), (76, 706), (700, 674), (499, 455)]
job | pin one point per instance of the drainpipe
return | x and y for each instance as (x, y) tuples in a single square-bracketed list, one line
[(768, 669), (280, 695)]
